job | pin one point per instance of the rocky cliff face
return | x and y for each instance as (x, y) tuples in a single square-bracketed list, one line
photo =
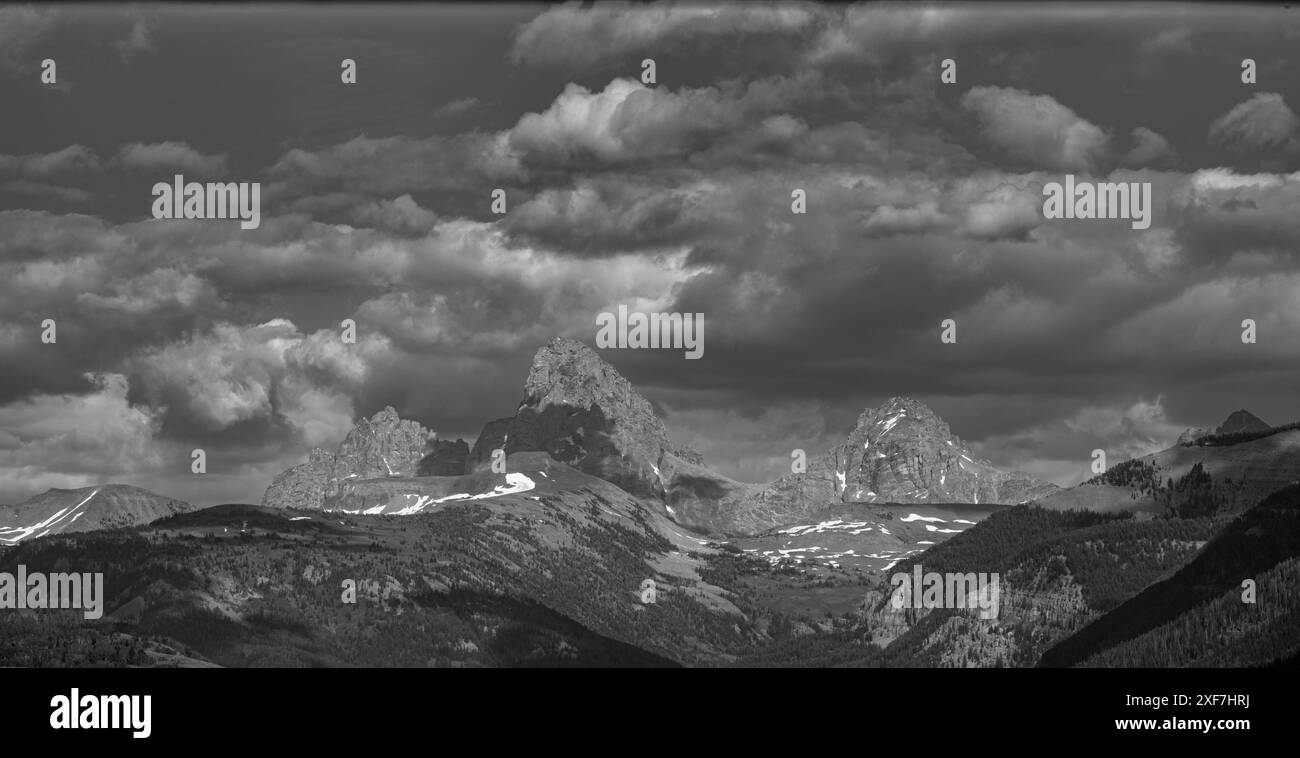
[(385, 445), (304, 485), (578, 409)]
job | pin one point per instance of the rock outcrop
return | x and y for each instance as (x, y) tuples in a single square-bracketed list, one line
[(385, 445)]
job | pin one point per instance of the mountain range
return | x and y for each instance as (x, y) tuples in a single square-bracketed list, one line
[(534, 546), (580, 411)]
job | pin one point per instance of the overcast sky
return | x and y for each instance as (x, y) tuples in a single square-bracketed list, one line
[(924, 203)]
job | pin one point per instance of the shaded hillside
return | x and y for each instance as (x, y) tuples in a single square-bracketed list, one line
[(1253, 543), (1224, 632), (549, 579), (1057, 571)]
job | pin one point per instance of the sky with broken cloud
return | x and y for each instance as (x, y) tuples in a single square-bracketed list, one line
[(924, 203)]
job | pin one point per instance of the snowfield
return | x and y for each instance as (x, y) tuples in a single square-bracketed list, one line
[(919, 517), (515, 483), (15, 534)]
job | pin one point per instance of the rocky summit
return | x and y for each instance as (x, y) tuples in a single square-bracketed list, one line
[(384, 445), (578, 409), (899, 452)]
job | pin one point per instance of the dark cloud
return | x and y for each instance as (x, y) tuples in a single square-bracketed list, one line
[(1036, 129), (924, 203)]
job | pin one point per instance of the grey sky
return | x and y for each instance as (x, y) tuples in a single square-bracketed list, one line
[(924, 203)]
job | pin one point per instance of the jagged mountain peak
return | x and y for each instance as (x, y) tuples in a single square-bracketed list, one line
[(383, 445), (568, 372), (581, 411), (902, 452), (896, 410)]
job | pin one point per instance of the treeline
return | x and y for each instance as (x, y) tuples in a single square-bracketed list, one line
[(1251, 544), (1136, 473)]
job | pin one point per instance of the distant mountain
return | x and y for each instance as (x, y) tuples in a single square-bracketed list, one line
[(1231, 468), (578, 409), (900, 452), (109, 506), (1242, 421), (383, 446)]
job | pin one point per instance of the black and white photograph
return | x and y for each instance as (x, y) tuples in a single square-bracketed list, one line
[(704, 335)]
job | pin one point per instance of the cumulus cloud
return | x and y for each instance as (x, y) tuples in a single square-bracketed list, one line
[(614, 213), (388, 167), (401, 215), (1126, 431), (1008, 209), (169, 156), (1036, 129), (1149, 149), (71, 161), (235, 374), (921, 218), (628, 121), (75, 440), (574, 35), (1264, 122)]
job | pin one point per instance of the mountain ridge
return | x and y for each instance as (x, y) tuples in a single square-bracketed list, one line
[(106, 506)]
